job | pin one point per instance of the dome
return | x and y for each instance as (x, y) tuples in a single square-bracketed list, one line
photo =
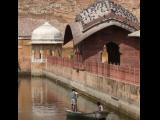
[(46, 32)]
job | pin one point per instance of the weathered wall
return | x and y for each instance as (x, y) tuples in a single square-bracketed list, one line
[(131, 5), (24, 55), (64, 11), (100, 87), (129, 47), (71, 7)]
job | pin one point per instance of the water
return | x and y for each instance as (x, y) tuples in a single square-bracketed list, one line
[(43, 99)]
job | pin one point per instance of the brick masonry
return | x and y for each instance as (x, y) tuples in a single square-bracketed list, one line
[(129, 47)]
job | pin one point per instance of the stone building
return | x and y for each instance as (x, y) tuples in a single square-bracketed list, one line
[(105, 24), (106, 62), (46, 41)]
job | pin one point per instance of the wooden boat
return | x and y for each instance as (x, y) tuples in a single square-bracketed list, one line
[(86, 116)]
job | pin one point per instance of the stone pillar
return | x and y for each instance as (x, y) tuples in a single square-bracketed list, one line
[(41, 53), (32, 59), (53, 53), (104, 55)]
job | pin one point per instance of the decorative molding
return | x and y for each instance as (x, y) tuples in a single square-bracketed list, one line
[(104, 11)]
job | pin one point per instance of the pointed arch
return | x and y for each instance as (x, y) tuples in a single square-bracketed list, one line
[(113, 53)]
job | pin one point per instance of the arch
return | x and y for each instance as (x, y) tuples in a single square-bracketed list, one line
[(113, 53), (68, 34), (88, 22)]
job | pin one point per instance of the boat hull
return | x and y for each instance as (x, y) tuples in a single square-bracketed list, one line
[(86, 116)]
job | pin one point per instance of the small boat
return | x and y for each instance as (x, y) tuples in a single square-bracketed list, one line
[(86, 116)]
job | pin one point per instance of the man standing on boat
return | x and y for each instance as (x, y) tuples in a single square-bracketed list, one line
[(74, 96)]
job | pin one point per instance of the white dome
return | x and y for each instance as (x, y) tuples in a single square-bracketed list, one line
[(46, 32)]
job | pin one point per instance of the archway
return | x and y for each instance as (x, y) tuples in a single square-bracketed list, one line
[(113, 53)]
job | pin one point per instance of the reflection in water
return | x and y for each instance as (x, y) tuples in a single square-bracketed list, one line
[(42, 99), (112, 116), (24, 100)]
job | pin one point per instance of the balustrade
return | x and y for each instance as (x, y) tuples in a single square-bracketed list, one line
[(129, 74)]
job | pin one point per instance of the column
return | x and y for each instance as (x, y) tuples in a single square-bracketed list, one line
[(32, 59), (41, 53)]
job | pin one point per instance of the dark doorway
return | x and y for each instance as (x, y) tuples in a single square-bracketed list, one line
[(113, 53)]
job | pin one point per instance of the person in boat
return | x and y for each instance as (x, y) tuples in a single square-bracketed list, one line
[(74, 96), (100, 107)]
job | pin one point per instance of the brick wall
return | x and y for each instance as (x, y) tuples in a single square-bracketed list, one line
[(129, 47)]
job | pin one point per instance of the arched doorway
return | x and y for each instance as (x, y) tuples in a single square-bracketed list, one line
[(113, 53)]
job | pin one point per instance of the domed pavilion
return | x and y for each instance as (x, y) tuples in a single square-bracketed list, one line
[(46, 41)]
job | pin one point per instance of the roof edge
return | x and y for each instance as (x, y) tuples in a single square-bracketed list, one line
[(79, 35)]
